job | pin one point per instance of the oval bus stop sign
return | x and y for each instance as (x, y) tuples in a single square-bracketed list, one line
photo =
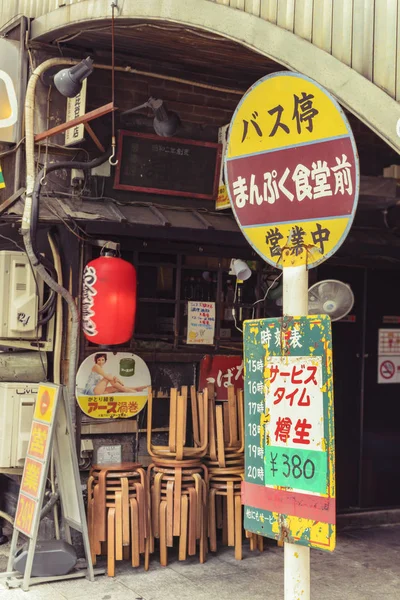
[(292, 170)]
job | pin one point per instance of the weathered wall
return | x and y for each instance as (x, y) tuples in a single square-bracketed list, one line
[(363, 34)]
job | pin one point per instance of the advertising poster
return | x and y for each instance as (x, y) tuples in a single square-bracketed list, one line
[(201, 323), (112, 385)]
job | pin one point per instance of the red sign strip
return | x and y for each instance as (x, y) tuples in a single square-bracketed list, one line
[(294, 184), (295, 504)]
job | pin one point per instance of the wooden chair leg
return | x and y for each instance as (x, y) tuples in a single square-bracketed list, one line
[(135, 532), (170, 513), (183, 538), (212, 521), (111, 542), (163, 534), (177, 501), (231, 514), (220, 436), (199, 492), (172, 419), (140, 497), (253, 542), (195, 416), (233, 417), (218, 511), (147, 554), (192, 521), (125, 515), (180, 427), (203, 526), (238, 528), (224, 521), (156, 501), (118, 526)]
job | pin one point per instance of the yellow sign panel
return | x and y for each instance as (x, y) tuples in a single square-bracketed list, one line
[(284, 110), (112, 407), (32, 477), (45, 403), (292, 170), (25, 518)]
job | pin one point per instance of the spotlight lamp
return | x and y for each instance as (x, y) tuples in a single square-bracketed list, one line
[(69, 81), (165, 122)]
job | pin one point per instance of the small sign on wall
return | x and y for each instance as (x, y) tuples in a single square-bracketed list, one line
[(389, 356), (76, 107), (201, 323)]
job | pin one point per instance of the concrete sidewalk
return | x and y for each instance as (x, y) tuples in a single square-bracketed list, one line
[(365, 566)]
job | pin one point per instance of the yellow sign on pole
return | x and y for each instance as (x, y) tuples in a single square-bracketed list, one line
[(37, 461), (292, 170), (51, 431)]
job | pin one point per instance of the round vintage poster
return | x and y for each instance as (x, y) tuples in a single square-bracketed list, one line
[(112, 385)]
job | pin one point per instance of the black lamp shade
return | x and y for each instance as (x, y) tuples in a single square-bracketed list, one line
[(69, 81)]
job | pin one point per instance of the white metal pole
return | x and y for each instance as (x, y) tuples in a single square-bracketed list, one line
[(296, 557)]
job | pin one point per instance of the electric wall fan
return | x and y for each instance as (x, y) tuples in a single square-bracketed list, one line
[(330, 297)]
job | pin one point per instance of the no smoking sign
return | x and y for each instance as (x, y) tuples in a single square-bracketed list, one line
[(389, 369)]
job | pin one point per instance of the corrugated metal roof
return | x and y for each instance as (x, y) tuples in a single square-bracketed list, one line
[(153, 215)]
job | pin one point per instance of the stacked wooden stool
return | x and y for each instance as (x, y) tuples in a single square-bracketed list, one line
[(225, 463), (178, 479), (118, 514)]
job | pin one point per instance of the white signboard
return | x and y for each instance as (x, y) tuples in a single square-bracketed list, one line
[(201, 323), (295, 389), (76, 107), (389, 356), (389, 342), (109, 455)]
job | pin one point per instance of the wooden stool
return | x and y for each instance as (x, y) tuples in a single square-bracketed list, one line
[(119, 513), (177, 447), (179, 506), (225, 463)]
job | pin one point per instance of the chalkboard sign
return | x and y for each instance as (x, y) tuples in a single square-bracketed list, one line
[(172, 166)]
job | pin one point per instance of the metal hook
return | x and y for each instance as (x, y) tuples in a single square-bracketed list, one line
[(111, 159)]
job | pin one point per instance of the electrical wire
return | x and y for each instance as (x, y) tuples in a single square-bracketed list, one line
[(267, 292), (65, 222), (57, 360), (7, 152)]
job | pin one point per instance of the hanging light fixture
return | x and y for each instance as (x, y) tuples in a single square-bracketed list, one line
[(69, 81), (239, 268), (165, 122)]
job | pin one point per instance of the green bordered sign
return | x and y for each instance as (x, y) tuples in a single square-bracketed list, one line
[(289, 487)]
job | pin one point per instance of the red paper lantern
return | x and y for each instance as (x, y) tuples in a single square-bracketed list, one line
[(109, 300)]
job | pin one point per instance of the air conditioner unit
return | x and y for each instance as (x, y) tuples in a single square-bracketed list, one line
[(19, 301), (17, 403)]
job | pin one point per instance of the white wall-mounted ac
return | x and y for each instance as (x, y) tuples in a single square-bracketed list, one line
[(17, 403), (19, 300)]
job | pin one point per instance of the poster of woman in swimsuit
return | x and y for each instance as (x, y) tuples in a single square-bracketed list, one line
[(112, 385)]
